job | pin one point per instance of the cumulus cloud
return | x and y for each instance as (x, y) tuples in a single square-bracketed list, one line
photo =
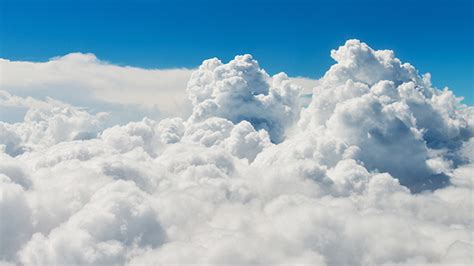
[(375, 170), (401, 124), (118, 217), (46, 123), (240, 90)]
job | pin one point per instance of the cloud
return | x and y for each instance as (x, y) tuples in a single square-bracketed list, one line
[(400, 123), (240, 90), (117, 217), (376, 169), (46, 123), (84, 80)]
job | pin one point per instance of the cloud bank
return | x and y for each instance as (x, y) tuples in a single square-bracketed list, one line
[(129, 93), (377, 169)]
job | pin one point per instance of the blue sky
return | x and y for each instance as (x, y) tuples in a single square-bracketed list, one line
[(290, 36)]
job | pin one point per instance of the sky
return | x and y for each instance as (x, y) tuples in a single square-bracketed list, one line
[(295, 37), (125, 141)]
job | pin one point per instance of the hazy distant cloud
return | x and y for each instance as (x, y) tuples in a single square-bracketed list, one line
[(307, 84), (250, 177), (81, 78)]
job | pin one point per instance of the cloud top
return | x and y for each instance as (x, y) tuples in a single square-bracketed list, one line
[(240, 90)]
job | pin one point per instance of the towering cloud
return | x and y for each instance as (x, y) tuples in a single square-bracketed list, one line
[(240, 90), (376, 170), (400, 123)]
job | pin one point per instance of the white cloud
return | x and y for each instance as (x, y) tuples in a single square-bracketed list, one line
[(46, 123), (84, 80), (306, 83), (339, 187), (240, 90), (401, 124), (117, 218)]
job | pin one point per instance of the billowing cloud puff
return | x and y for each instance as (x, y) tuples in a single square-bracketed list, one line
[(118, 217), (401, 124), (240, 90), (46, 123), (376, 170), (358, 62)]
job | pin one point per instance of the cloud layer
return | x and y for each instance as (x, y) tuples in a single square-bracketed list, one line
[(376, 169), (85, 76), (129, 93)]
